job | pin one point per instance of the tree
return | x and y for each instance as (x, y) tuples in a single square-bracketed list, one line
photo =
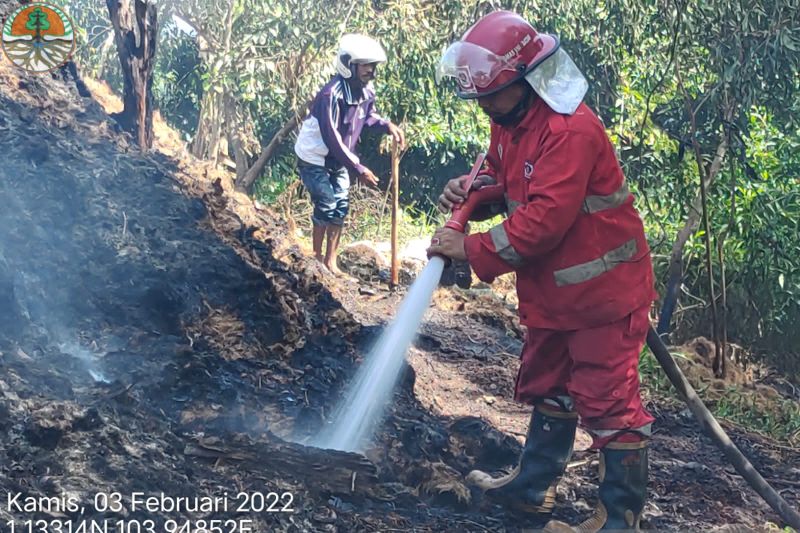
[(250, 48), (135, 29), (745, 61)]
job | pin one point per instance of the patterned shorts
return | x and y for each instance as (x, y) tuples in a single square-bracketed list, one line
[(329, 190)]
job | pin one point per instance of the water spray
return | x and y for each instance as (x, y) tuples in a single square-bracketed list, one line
[(365, 401)]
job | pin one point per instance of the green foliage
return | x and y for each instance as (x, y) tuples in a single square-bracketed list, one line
[(652, 375), (375, 225), (782, 421), (279, 175), (739, 405), (95, 51), (737, 63), (741, 76), (178, 83)]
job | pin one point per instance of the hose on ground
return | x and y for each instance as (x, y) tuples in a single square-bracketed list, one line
[(712, 428)]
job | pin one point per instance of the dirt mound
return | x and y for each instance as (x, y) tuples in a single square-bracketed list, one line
[(141, 315), (700, 352), (161, 333)]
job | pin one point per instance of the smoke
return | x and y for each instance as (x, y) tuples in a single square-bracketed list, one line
[(36, 300)]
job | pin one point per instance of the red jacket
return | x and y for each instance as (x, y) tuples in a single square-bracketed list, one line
[(572, 236)]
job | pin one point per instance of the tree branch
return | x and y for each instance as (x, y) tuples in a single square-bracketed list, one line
[(719, 358), (199, 29), (253, 172)]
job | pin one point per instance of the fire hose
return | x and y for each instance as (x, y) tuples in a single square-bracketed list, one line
[(494, 193)]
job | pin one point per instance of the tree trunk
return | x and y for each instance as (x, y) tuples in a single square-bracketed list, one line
[(253, 172), (135, 29), (206, 143), (689, 228), (327, 471), (242, 142)]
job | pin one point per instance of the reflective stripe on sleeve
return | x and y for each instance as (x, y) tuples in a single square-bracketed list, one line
[(511, 205), (595, 203), (592, 269), (504, 249)]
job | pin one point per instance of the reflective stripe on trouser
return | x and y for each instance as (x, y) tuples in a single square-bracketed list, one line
[(609, 434), (596, 367), (601, 437), (329, 191)]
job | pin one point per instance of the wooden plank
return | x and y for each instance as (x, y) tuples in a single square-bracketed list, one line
[(395, 208)]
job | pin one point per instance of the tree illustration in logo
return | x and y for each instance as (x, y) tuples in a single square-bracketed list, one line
[(38, 37), (37, 21)]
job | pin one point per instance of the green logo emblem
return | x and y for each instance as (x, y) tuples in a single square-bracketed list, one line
[(38, 37)]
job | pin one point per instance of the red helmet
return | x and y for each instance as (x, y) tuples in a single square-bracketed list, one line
[(496, 51)]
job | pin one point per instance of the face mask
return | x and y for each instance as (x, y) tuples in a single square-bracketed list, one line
[(517, 112)]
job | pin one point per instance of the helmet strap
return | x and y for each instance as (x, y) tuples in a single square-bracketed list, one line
[(518, 111)]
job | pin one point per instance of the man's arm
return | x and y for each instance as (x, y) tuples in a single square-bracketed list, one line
[(375, 121), (555, 194)]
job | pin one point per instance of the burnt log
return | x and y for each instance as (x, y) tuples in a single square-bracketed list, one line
[(246, 182), (326, 471), (135, 29)]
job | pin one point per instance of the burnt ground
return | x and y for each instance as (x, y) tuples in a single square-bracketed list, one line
[(465, 362), (159, 334)]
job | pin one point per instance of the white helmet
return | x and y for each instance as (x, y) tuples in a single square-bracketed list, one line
[(355, 49)]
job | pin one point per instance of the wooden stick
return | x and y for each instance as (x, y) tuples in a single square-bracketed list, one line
[(395, 208)]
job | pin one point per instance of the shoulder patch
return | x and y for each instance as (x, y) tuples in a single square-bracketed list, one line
[(557, 122)]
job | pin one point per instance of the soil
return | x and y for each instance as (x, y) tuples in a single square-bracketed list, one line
[(161, 333)]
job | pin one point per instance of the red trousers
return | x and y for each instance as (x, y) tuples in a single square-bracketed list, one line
[(596, 367)]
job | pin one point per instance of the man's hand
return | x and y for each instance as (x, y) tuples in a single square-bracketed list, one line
[(454, 192), (398, 135), (368, 178), (449, 243)]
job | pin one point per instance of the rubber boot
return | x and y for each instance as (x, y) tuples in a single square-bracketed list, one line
[(623, 491), (531, 487)]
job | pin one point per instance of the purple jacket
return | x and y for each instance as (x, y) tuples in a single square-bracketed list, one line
[(330, 132)]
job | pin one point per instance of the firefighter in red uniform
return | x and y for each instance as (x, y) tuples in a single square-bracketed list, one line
[(578, 248)]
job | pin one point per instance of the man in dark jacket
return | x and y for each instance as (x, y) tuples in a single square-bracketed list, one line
[(327, 140)]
